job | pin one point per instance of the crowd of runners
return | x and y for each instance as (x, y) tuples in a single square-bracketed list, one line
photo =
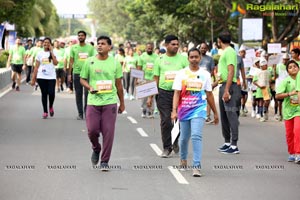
[(101, 79)]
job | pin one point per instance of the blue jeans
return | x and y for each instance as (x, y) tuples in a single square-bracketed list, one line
[(191, 128)]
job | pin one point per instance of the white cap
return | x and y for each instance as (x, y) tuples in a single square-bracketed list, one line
[(242, 48), (257, 59), (285, 56), (263, 62)]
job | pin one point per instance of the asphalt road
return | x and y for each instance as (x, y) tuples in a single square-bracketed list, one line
[(50, 159)]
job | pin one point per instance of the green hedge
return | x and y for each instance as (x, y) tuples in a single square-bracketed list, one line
[(3, 58)]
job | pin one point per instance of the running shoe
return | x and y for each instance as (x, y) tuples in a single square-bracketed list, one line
[(79, 117), (231, 150), (196, 172), (166, 153), (253, 114), (183, 165), (104, 166), (297, 159), (223, 148), (291, 158), (131, 97), (51, 112), (45, 115), (95, 158)]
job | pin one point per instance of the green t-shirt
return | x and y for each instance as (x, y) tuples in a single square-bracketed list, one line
[(166, 68), (67, 55), (80, 54), (229, 57), (131, 62), (17, 55), (291, 108), (280, 68), (60, 53), (102, 75), (146, 61), (120, 58), (34, 51)]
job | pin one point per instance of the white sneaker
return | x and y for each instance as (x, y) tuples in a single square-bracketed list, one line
[(245, 110), (126, 96), (131, 97), (253, 114), (262, 119), (257, 116)]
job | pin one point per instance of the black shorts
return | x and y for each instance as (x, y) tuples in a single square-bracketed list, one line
[(273, 93), (60, 73), (244, 93), (17, 68)]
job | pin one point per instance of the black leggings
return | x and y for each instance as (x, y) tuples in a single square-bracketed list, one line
[(47, 89), (128, 82)]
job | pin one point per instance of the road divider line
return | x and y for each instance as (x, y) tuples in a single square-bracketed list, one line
[(156, 149), (5, 92), (178, 176), (132, 120), (142, 132)]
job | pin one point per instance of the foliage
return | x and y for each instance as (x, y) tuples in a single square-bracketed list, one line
[(3, 58), (31, 17)]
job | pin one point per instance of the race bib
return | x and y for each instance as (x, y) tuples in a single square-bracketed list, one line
[(45, 61), (294, 100), (83, 56), (17, 57), (104, 86), (194, 85), (170, 76), (149, 66)]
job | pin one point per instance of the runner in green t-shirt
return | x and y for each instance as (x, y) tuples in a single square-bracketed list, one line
[(34, 51), (165, 69), (78, 55), (67, 64), (17, 61), (146, 63), (280, 75), (59, 68), (229, 95), (130, 61), (295, 53), (291, 111), (298, 86), (105, 88)]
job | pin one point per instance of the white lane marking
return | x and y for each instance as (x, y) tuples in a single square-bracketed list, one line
[(5, 92), (142, 132), (132, 120), (156, 149), (178, 176)]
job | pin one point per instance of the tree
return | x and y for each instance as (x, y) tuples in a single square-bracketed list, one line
[(278, 27), (38, 18)]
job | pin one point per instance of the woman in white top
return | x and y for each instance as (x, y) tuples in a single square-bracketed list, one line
[(45, 75), (192, 91)]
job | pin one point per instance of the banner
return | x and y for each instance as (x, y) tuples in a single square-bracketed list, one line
[(12, 36), (1, 35)]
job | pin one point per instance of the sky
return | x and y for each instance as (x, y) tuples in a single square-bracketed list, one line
[(71, 6)]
